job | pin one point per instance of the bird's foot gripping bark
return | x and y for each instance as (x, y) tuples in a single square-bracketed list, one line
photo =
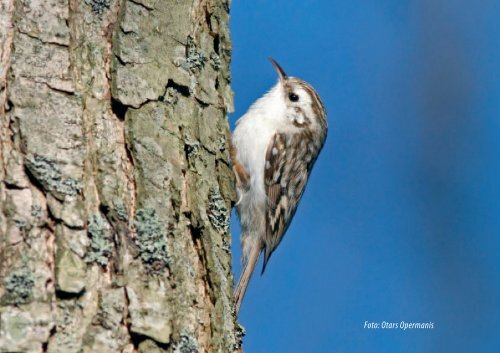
[(242, 177)]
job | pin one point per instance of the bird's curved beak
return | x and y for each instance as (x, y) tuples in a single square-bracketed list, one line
[(279, 69)]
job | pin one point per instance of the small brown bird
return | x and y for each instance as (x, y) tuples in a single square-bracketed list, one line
[(274, 147)]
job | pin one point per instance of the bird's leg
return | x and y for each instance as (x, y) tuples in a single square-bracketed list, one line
[(242, 180), (242, 177)]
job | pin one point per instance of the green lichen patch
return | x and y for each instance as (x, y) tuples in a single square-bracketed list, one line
[(121, 211), (195, 59), (20, 223), (171, 95), (217, 210), (187, 344), (221, 144), (192, 147), (19, 287), (238, 335), (215, 61), (151, 240), (101, 244), (51, 177), (99, 6), (36, 211)]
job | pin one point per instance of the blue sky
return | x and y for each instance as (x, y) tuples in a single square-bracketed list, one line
[(401, 217)]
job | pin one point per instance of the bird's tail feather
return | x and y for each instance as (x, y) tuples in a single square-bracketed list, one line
[(242, 285)]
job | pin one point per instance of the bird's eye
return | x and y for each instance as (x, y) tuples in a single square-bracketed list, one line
[(293, 97)]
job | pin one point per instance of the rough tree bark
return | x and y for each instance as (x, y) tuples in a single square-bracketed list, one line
[(115, 185)]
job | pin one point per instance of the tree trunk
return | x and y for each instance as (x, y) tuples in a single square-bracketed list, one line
[(115, 184)]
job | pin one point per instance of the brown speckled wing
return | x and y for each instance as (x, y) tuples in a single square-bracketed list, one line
[(289, 160)]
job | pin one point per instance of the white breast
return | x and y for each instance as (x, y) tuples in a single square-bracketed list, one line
[(253, 133)]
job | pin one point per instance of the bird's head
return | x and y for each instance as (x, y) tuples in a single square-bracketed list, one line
[(302, 105)]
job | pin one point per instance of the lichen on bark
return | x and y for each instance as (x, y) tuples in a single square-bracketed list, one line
[(115, 184)]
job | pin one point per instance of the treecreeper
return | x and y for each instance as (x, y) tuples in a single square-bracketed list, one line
[(274, 147)]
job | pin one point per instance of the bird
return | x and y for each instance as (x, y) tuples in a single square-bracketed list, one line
[(273, 149)]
